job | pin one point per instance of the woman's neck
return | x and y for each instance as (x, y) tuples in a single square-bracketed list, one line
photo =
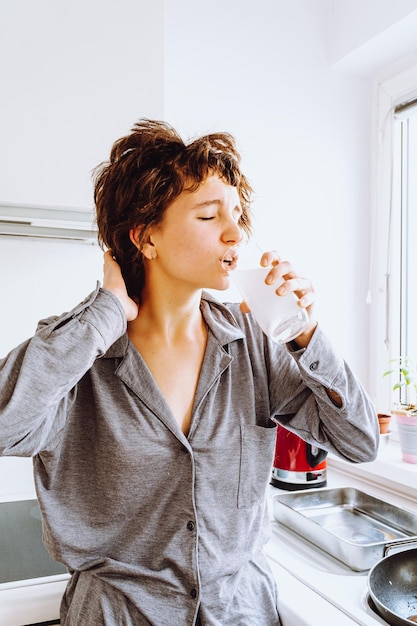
[(169, 317)]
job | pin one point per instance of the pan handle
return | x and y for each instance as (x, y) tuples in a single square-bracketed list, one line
[(399, 546)]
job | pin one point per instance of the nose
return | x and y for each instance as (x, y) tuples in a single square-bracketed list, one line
[(232, 233)]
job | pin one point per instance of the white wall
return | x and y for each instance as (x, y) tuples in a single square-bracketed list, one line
[(260, 70), (42, 278), (365, 35), (74, 76)]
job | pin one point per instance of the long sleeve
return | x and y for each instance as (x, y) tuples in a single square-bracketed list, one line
[(350, 430), (290, 388), (38, 378)]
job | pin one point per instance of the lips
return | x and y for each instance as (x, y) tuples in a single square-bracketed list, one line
[(229, 260)]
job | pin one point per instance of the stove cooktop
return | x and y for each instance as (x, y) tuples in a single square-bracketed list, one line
[(22, 553), (329, 578)]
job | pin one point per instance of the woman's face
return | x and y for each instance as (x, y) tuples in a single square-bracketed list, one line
[(196, 231)]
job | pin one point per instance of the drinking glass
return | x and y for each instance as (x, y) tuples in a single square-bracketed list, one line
[(280, 317)]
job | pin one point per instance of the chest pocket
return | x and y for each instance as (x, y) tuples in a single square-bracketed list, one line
[(257, 446)]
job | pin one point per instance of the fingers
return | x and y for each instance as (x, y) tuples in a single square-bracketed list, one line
[(244, 307), (270, 258), (306, 297), (287, 280), (109, 259), (113, 281)]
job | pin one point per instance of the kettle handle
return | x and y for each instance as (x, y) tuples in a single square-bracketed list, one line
[(315, 455)]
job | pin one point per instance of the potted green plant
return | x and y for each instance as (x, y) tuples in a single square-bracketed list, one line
[(406, 370), (405, 409)]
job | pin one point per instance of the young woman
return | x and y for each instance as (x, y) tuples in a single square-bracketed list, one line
[(147, 408)]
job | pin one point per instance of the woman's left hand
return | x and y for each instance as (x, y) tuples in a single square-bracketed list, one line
[(285, 278)]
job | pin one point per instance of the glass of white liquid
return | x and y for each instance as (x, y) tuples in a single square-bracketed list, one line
[(280, 317)]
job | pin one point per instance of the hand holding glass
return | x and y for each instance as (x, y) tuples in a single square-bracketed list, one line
[(280, 317)]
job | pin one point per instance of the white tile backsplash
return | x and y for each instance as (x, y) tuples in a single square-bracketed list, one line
[(16, 478)]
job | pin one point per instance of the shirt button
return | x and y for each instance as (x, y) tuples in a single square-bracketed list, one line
[(314, 365), (190, 525), (193, 593)]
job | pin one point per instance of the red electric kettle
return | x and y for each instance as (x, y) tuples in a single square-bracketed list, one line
[(297, 464)]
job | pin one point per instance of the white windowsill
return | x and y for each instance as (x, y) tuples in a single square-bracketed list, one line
[(387, 473)]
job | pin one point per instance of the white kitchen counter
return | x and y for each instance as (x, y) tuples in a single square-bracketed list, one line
[(302, 606), (34, 603), (331, 593), (314, 588)]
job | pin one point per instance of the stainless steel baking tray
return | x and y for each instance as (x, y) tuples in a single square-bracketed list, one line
[(351, 525)]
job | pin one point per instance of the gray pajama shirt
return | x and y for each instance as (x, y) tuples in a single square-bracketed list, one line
[(157, 527)]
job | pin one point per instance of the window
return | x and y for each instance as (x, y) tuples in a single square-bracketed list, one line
[(403, 242), (393, 282), (392, 293)]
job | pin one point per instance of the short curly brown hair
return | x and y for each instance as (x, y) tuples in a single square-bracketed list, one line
[(148, 169)]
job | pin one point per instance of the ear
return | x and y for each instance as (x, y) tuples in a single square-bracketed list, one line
[(134, 236), (147, 248)]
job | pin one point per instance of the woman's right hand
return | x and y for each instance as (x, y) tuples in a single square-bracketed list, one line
[(113, 282)]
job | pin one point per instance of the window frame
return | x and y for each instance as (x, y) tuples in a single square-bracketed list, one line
[(385, 340)]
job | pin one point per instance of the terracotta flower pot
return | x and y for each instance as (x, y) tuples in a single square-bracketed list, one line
[(384, 423)]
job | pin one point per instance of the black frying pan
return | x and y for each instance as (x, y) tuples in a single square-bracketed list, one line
[(392, 584)]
